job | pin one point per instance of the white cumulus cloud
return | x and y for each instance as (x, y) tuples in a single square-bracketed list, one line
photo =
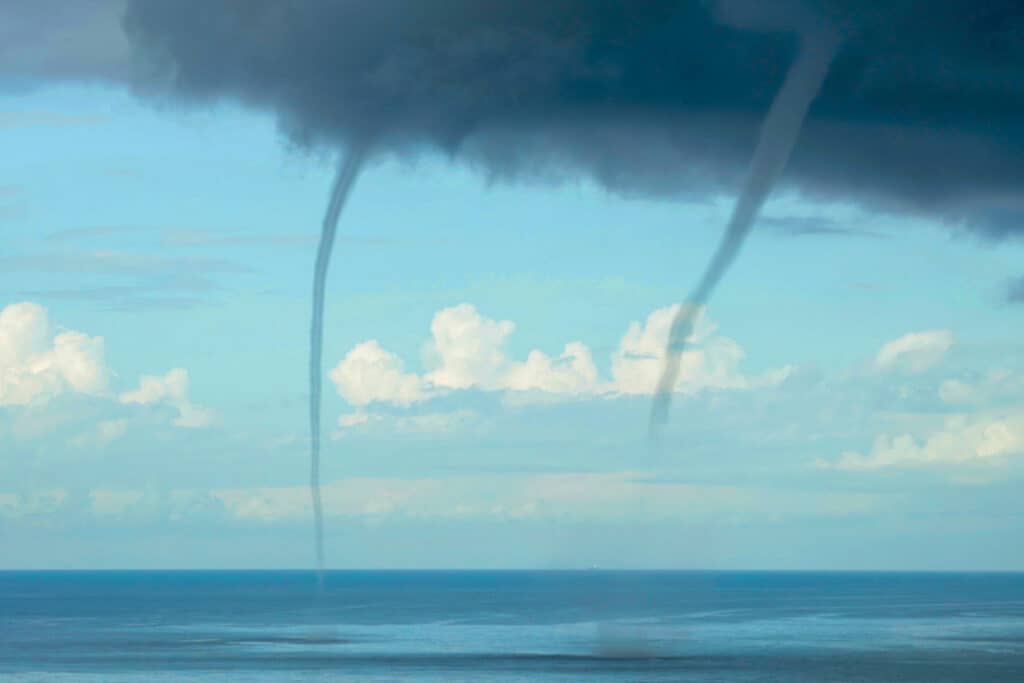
[(711, 362), (573, 372), (961, 440), (914, 352), (36, 365), (467, 351), (368, 374), (171, 390)]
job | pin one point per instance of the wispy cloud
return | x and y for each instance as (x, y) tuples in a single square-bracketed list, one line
[(11, 193), (1015, 291), (122, 298), (511, 498), (49, 119), (156, 281), (196, 238), (73, 234), (816, 226), (113, 262), (212, 238), (914, 352)]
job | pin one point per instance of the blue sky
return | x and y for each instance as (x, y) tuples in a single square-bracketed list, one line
[(855, 397)]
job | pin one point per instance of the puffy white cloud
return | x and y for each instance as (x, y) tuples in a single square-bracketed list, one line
[(467, 350), (572, 373), (368, 374), (710, 362), (914, 352), (170, 390), (961, 440), (37, 365)]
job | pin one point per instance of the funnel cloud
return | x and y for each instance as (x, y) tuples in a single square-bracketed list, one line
[(778, 135), (348, 172)]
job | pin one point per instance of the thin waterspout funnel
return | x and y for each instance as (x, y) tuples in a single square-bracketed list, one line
[(348, 171), (778, 135)]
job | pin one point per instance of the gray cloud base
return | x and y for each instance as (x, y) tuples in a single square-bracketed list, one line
[(921, 112)]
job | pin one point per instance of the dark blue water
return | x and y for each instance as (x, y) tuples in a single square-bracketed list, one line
[(511, 626)]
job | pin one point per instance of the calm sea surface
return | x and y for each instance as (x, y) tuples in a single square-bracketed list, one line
[(510, 626)]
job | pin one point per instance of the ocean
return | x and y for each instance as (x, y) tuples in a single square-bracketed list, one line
[(510, 626)]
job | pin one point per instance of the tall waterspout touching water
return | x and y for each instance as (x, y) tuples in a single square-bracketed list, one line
[(348, 171)]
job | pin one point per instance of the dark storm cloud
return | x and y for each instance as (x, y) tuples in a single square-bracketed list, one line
[(42, 40), (922, 110)]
